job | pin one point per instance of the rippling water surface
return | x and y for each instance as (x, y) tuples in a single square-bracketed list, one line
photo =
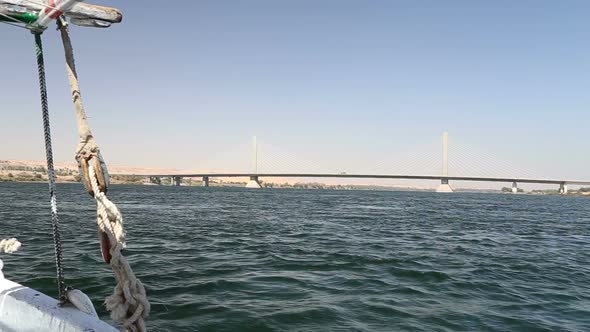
[(232, 259)]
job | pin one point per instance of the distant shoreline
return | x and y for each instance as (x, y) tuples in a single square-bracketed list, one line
[(326, 187)]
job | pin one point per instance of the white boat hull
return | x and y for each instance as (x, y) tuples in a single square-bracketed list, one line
[(23, 309)]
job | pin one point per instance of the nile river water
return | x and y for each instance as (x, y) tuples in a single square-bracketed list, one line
[(232, 259)]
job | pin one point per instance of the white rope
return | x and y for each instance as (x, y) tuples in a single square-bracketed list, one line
[(9, 245), (128, 304)]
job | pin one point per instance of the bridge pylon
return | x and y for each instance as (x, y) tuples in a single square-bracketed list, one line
[(444, 186), (563, 188), (514, 187), (254, 182), (175, 181)]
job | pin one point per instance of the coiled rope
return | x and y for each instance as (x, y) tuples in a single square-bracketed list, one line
[(9, 245), (50, 170), (128, 304)]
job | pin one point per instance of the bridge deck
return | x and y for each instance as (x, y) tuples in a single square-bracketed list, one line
[(368, 176)]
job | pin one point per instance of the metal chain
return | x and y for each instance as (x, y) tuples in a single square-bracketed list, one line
[(50, 169)]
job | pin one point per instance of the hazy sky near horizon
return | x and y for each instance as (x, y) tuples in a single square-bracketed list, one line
[(336, 82)]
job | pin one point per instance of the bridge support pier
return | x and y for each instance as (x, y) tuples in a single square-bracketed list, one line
[(254, 182), (176, 180), (514, 188), (205, 181), (444, 186), (563, 188)]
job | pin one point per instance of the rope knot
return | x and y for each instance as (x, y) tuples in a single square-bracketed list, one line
[(128, 304)]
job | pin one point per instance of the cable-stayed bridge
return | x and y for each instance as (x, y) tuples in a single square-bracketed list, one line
[(432, 162)]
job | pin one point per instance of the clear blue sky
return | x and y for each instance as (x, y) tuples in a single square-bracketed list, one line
[(332, 81)]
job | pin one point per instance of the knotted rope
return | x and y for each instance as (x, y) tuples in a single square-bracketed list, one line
[(128, 304)]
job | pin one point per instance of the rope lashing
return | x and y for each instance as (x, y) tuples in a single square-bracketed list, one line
[(128, 305), (50, 170)]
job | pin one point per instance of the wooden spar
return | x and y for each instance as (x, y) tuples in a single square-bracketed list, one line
[(83, 10), (89, 23), (79, 10)]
